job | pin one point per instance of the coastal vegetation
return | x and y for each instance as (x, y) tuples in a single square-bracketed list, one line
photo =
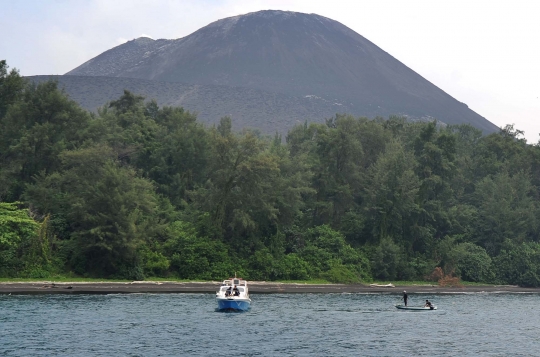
[(137, 190)]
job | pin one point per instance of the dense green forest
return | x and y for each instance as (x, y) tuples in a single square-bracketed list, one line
[(137, 190)]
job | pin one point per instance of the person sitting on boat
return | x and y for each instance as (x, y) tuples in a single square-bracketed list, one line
[(228, 292), (428, 304), (236, 292)]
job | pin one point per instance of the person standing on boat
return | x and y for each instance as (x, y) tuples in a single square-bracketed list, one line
[(405, 297)]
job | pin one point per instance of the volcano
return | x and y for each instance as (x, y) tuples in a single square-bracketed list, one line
[(293, 65)]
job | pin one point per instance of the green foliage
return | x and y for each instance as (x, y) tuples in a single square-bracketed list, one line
[(16, 230), (153, 262), (25, 244), (519, 264), (471, 263), (388, 260), (11, 87), (292, 267), (391, 194), (507, 210), (34, 132), (178, 161), (15, 225), (195, 257), (330, 257), (109, 208), (337, 171), (341, 274), (262, 266), (138, 190), (127, 102)]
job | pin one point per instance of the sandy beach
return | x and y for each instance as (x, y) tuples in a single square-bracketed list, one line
[(255, 287)]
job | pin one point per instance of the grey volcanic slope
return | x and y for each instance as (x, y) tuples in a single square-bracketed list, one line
[(289, 53), (249, 108)]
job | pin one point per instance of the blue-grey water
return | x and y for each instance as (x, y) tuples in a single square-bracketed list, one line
[(277, 325)]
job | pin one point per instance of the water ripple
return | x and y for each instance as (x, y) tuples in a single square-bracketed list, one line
[(276, 325)]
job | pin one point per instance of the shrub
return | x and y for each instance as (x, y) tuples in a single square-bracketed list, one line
[(261, 266), (519, 265), (154, 263), (387, 260), (471, 262), (341, 274), (292, 267), (326, 248), (129, 272), (195, 257)]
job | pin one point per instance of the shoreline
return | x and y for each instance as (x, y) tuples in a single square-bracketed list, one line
[(255, 287)]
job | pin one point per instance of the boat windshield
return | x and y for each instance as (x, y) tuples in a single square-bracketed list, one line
[(224, 288)]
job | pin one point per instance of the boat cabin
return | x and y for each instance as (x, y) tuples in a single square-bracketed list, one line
[(234, 281), (230, 283)]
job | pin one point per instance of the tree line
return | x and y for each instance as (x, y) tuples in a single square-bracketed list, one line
[(137, 190)]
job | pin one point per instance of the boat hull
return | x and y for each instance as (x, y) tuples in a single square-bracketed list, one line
[(416, 308), (233, 304)]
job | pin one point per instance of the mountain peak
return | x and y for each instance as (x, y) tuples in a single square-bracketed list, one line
[(290, 53), (270, 17), (144, 40)]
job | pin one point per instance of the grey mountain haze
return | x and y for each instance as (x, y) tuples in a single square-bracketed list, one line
[(250, 108), (268, 70)]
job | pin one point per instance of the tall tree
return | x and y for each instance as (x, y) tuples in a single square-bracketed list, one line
[(35, 130), (506, 211), (238, 189), (391, 194), (108, 208), (11, 87), (177, 159), (337, 177)]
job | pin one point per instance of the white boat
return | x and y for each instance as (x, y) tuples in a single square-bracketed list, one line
[(417, 308), (233, 295)]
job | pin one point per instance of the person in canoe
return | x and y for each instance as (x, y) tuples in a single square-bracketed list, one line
[(429, 304), (405, 297)]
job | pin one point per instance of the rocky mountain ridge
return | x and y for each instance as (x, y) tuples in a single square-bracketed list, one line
[(291, 54), (268, 112)]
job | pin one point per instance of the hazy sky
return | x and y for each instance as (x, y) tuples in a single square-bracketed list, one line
[(483, 53)]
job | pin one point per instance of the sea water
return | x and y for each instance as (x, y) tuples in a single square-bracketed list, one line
[(479, 324)]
